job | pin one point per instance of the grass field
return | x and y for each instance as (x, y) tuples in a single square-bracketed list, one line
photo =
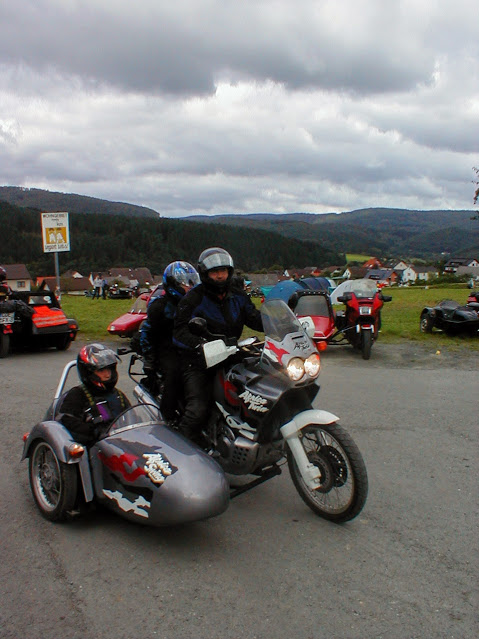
[(400, 317), (357, 257)]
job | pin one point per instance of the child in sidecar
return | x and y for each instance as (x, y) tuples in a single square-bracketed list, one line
[(88, 409)]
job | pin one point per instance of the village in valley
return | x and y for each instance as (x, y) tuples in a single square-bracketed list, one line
[(136, 280)]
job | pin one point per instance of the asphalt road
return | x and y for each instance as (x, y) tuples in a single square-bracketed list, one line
[(268, 568)]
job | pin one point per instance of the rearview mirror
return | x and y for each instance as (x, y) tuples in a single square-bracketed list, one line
[(198, 326), (308, 325)]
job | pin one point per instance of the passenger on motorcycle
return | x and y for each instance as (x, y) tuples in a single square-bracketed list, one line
[(226, 310), (88, 409), (156, 336), (5, 290)]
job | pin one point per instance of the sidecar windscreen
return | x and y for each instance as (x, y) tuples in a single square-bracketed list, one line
[(136, 416), (315, 305)]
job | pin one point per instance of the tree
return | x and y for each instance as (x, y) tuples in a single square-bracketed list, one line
[(476, 193)]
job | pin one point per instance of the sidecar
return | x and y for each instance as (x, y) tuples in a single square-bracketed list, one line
[(305, 301), (452, 318), (140, 469)]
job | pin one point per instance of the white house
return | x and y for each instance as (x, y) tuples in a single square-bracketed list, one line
[(426, 273), (18, 277), (409, 274), (454, 263)]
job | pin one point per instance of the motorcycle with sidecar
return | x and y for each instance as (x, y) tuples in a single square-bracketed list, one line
[(262, 417)]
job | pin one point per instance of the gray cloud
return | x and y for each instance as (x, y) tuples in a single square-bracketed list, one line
[(216, 106)]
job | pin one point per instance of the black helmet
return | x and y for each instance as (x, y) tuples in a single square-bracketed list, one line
[(178, 278), (95, 357), (3, 274), (212, 258)]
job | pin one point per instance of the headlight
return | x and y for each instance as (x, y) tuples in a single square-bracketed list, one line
[(295, 369), (312, 365)]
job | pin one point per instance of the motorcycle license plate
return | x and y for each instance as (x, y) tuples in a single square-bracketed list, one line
[(7, 318)]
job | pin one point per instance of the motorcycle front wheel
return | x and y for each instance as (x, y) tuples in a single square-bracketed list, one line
[(53, 483), (366, 343), (343, 490)]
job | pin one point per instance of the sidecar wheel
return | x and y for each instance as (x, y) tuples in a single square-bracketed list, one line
[(54, 484), (63, 343), (4, 345), (344, 481), (426, 324)]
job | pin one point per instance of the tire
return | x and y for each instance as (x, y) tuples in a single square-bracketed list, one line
[(54, 484), (63, 343), (344, 483), (426, 323), (4, 345), (366, 343)]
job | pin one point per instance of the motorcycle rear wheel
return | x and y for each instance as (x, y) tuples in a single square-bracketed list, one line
[(344, 481), (54, 484), (366, 344)]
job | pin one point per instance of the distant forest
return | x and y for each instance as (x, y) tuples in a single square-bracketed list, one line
[(100, 241)]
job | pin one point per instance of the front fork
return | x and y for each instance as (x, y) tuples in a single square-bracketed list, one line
[(292, 432)]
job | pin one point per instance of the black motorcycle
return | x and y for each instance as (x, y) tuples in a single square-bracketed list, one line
[(263, 416)]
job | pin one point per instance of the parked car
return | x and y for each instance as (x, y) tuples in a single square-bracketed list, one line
[(129, 323), (47, 326), (117, 292), (452, 318)]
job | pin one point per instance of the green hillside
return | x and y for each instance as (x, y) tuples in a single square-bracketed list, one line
[(385, 232), (101, 241)]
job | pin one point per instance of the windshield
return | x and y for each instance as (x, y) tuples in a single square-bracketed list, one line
[(139, 415), (279, 320), (364, 288)]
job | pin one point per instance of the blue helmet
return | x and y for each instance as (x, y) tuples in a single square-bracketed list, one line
[(179, 278)]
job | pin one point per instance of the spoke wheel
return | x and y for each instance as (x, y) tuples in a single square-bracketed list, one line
[(343, 490), (53, 483)]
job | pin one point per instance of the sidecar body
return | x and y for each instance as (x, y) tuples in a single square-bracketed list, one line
[(140, 468)]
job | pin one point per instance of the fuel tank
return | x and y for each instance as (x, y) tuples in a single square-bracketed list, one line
[(153, 475)]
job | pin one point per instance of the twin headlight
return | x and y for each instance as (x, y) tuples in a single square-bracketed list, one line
[(298, 367)]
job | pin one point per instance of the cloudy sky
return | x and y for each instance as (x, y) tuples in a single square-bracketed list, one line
[(234, 106)]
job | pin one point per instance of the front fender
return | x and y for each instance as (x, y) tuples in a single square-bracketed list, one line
[(55, 434), (305, 418), (310, 473)]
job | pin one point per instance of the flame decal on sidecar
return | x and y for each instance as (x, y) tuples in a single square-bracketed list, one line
[(118, 463), (136, 507)]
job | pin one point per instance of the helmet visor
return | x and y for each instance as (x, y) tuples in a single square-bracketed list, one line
[(217, 260), (188, 279)]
